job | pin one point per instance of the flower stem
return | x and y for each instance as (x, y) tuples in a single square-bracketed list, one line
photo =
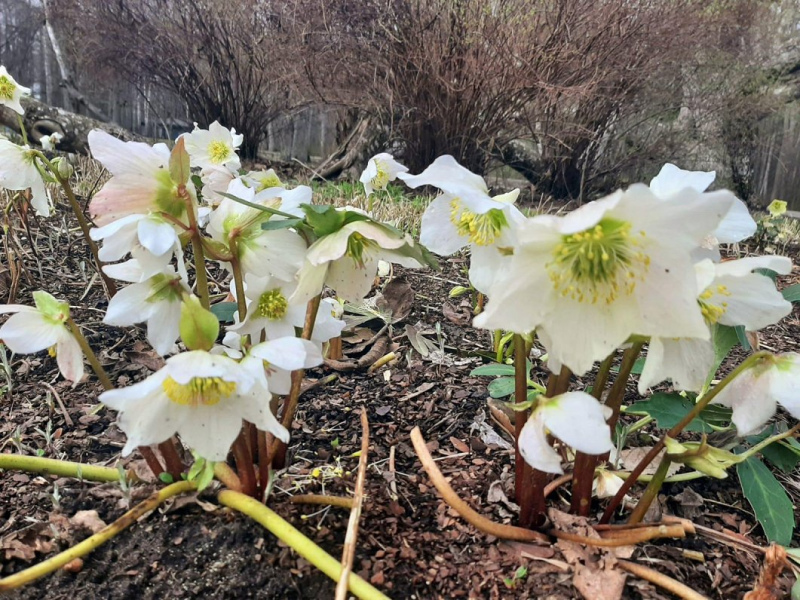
[(522, 470), (676, 430), (244, 465), (585, 463), (763, 444), (650, 492), (201, 277), (617, 392), (227, 476), (171, 458), (278, 453), (62, 468), (101, 537), (22, 129), (90, 355), (298, 542), (238, 281), (110, 285)]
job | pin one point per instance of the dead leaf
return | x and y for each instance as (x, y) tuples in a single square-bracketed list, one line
[(397, 297), (88, 519), (459, 445), (630, 457), (599, 584), (459, 316), (151, 360)]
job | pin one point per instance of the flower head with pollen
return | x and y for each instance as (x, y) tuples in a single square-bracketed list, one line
[(381, 169), (611, 269), (213, 147), (18, 171), (201, 396), (11, 92), (273, 305), (481, 229), (269, 309)]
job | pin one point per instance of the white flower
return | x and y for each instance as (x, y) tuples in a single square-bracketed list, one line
[(44, 327), (141, 181), (262, 180), (347, 260), (49, 142), (216, 180), (150, 238), (465, 215), (201, 396), (156, 300), (610, 269), (731, 294), (213, 147), (606, 484), (736, 225), (11, 92), (328, 323), (576, 418), (755, 393), (276, 252), (269, 308), (276, 359), (381, 169), (18, 172)]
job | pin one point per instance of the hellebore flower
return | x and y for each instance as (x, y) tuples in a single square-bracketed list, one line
[(269, 308), (11, 92), (213, 147), (44, 327), (576, 418), (381, 169), (18, 171)]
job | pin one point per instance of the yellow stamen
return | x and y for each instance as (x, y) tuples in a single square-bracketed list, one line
[(198, 390), (219, 151), (272, 305), (7, 88)]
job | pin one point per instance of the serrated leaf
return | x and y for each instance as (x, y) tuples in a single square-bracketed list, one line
[(781, 456), (501, 387), (224, 311), (769, 500), (493, 369), (669, 409), (792, 293)]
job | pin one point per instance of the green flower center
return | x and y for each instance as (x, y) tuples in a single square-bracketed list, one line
[(272, 305), (164, 288), (7, 88), (711, 305), (219, 152), (600, 263), (482, 230), (357, 245), (381, 179), (167, 198), (198, 390), (268, 180)]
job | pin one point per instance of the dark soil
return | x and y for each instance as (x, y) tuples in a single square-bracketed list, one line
[(411, 544)]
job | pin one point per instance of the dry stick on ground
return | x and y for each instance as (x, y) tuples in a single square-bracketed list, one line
[(349, 552), (520, 534), (661, 580)]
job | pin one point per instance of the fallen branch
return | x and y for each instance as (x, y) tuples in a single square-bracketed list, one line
[(663, 581), (98, 539), (349, 551), (297, 542)]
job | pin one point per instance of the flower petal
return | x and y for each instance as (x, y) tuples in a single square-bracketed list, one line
[(534, 447), (579, 420)]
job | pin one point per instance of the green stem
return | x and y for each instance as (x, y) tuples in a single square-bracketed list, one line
[(676, 430), (110, 285), (62, 468), (650, 492), (98, 539), (22, 130), (90, 355), (690, 476), (763, 444), (298, 542), (238, 280), (200, 271), (634, 427)]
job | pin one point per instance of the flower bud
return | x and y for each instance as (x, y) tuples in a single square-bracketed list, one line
[(457, 291), (63, 167), (701, 457), (199, 327)]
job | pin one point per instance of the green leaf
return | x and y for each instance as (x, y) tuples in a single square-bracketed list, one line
[(493, 369), (669, 409), (323, 219), (769, 500), (273, 224), (725, 338), (224, 311), (742, 337), (792, 293), (773, 275), (166, 477), (501, 387), (179, 170), (781, 456)]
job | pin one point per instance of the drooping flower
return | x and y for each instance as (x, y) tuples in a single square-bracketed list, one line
[(215, 182), (755, 393), (465, 215), (262, 180), (329, 323), (576, 418), (213, 147), (381, 169), (44, 327), (18, 171), (141, 182), (606, 484), (736, 225), (610, 269), (276, 359), (732, 293), (347, 259), (201, 396), (49, 142), (11, 92), (269, 308), (276, 252), (155, 300)]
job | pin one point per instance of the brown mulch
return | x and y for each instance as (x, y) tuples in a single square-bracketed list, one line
[(411, 544)]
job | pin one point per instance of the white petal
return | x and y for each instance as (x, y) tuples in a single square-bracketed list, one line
[(157, 236), (125, 157), (578, 419), (672, 180), (351, 281), (129, 305), (749, 397), (288, 353), (254, 407), (437, 232), (782, 265), (69, 357), (310, 281), (211, 430), (753, 301), (785, 381), (28, 332), (163, 326), (446, 174), (686, 361), (534, 447), (737, 225)]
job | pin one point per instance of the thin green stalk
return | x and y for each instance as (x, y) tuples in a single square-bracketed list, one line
[(22, 130), (90, 355), (201, 277), (62, 468), (298, 542), (677, 478), (676, 430), (764, 443), (650, 492), (50, 565), (238, 281), (110, 285)]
